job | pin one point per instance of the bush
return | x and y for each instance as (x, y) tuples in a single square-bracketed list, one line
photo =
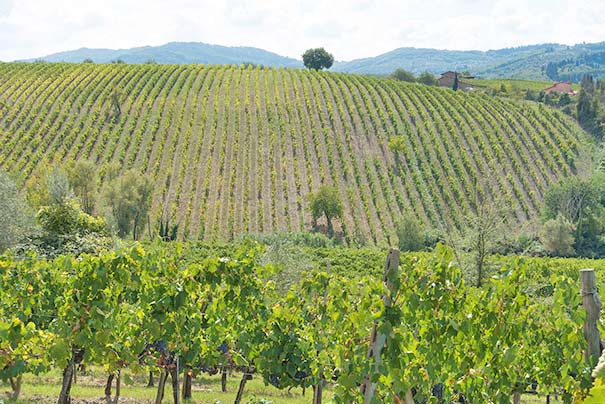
[(66, 229), (68, 218), (403, 75), (16, 219), (410, 233), (557, 236), (428, 79)]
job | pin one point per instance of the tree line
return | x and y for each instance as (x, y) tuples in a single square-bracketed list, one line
[(67, 210)]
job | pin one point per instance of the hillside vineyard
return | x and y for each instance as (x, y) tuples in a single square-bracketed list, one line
[(237, 150)]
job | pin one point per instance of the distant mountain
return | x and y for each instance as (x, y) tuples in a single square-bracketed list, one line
[(176, 53), (535, 62)]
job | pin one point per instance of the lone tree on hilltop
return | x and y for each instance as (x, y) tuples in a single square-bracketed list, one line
[(325, 202), (317, 58)]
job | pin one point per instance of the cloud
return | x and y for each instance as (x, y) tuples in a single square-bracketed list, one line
[(347, 28), (5, 7)]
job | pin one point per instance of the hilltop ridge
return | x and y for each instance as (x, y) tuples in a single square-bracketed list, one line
[(548, 61)]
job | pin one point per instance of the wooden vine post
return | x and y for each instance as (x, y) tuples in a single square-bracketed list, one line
[(174, 375), (318, 388), (592, 305), (224, 379), (377, 340), (161, 384), (187, 381), (240, 392)]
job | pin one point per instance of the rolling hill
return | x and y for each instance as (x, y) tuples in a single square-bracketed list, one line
[(525, 62), (535, 62), (237, 150), (176, 53)]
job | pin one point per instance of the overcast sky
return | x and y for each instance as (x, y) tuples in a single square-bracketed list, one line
[(348, 28)]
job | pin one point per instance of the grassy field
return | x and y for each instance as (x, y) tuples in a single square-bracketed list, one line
[(513, 87), (206, 390), (238, 150)]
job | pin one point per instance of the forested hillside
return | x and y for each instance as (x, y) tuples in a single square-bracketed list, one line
[(238, 150), (535, 62), (176, 53)]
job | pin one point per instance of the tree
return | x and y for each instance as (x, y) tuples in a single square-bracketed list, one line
[(128, 200), (484, 227), (410, 233), (584, 108), (587, 83), (428, 79), (83, 179), (482, 230), (557, 236), (552, 72), (88, 60), (564, 100), (36, 190), (403, 75), (16, 220), (455, 86), (326, 202), (58, 187), (580, 201), (317, 59), (529, 95)]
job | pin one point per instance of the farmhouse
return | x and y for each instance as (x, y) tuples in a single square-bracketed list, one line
[(447, 80), (561, 87)]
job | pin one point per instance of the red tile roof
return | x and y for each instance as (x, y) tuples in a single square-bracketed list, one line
[(561, 87)]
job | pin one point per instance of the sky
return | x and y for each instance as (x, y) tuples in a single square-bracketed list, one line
[(349, 29)]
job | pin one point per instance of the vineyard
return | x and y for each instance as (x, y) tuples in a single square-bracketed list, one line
[(237, 150), (141, 309)]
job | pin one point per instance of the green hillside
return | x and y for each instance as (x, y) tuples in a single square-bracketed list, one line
[(237, 150), (176, 53), (553, 62)]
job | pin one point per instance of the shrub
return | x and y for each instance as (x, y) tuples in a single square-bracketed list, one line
[(410, 233), (557, 236)]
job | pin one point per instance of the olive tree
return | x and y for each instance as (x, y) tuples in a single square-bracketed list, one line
[(59, 189), (83, 179), (325, 202), (16, 220), (127, 200), (317, 59)]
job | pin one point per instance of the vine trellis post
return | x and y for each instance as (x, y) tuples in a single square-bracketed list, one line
[(592, 305), (378, 339)]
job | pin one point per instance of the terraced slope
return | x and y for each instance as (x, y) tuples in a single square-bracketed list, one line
[(235, 150)]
